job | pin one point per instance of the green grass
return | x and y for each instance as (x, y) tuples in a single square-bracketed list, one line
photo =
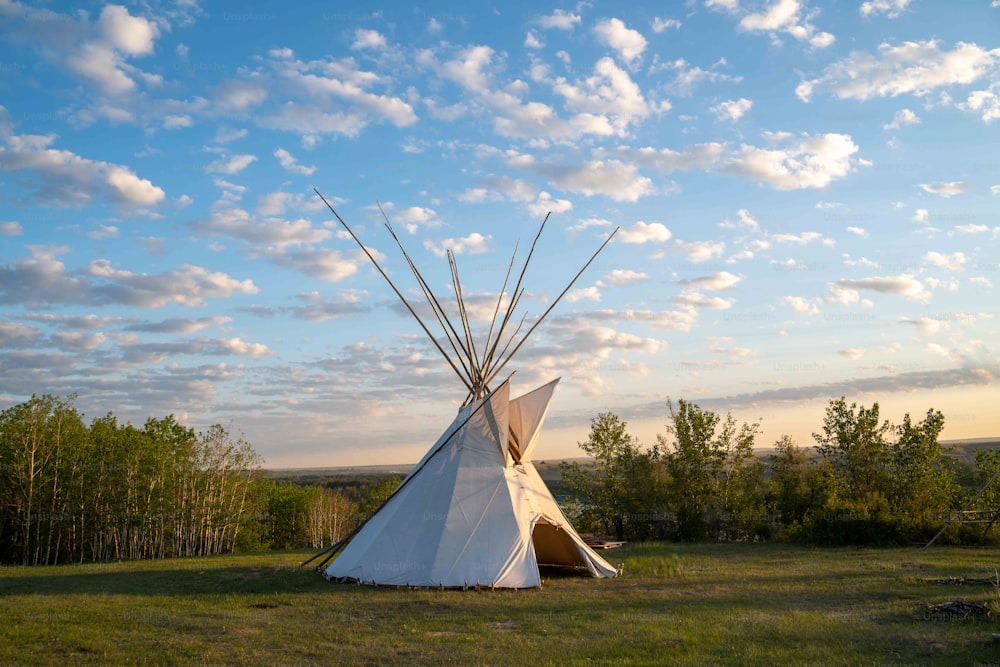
[(676, 604)]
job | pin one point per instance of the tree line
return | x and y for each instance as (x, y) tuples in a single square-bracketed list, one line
[(73, 492), (864, 481), (103, 491)]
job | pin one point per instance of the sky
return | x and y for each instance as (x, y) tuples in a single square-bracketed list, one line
[(807, 194)]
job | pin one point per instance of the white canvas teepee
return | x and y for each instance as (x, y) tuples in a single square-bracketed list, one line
[(474, 511)]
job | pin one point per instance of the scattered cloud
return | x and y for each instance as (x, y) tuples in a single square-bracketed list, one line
[(949, 189), (560, 19), (473, 244), (901, 118), (953, 262), (701, 251), (809, 162), (892, 9), (63, 177), (628, 43), (623, 277), (912, 68), (715, 282), (291, 165), (642, 232), (368, 39), (902, 285), (801, 305), (611, 178), (786, 17), (231, 165), (732, 110), (659, 24)]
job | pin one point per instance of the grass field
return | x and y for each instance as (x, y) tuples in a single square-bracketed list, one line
[(676, 604)]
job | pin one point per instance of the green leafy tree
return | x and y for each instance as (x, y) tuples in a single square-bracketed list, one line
[(792, 486), (923, 477), (622, 493), (715, 480)]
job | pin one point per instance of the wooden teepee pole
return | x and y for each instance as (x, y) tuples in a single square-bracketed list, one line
[(406, 303), (439, 313), (517, 295), (549, 310)]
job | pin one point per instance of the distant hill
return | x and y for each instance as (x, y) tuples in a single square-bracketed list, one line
[(548, 469)]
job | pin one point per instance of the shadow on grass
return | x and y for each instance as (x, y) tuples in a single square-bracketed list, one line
[(179, 582)]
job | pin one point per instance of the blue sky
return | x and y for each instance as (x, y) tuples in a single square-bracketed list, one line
[(807, 194)]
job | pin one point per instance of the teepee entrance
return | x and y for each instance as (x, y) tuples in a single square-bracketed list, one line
[(555, 547)]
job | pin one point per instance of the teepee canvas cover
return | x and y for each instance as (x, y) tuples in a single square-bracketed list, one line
[(474, 511), (471, 514)]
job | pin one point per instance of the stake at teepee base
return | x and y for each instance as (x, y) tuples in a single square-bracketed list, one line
[(474, 508)]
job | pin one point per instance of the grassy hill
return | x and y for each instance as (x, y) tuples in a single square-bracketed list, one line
[(675, 604)]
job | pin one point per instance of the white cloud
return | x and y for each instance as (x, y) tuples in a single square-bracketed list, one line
[(914, 68), (473, 244), (859, 231), (127, 187), (810, 162), (531, 41), (922, 215), (690, 75), (240, 347), (901, 118), (972, 229), (609, 94), (952, 262), (800, 305), (984, 102), (784, 16), (225, 135), (902, 285), (291, 165), (659, 25), (232, 165), (11, 229), (642, 232), (701, 251), (68, 179), (589, 222), (715, 282), (102, 59), (368, 39), (560, 19), (732, 109), (949, 189), (799, 239), (271, 232), (697, 300), (239, 96), (730, 6), (890, 8), (177, 121), (629, 43), (852, 353), (623, 277), (546, 204), (593, 293), (926, 325), (612, 178)]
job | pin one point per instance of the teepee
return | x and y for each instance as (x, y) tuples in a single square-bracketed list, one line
[(474, 511)]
